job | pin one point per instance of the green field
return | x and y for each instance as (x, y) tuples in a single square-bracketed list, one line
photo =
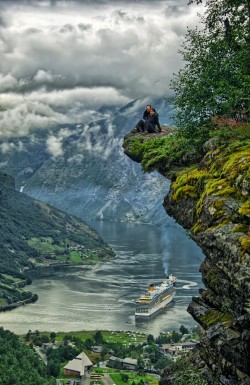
[(116, 376), (45, 245), (75, 257), (133, 377), (109, 336)]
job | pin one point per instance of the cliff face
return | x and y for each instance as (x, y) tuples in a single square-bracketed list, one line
[(211, 199)]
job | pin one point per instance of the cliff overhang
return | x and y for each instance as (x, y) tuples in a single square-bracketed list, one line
[(209, 196)]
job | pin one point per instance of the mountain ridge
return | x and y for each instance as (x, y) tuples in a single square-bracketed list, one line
[(34, 234)]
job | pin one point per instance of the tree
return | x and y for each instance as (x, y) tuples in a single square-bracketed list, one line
[(150, 339), (98, 337), (88, 343), (140, 364), (27, 336), (52, 336), (162, 363), (183, 330), (19, 364), (53, 368), (124, 377), (154, 353), (215, 78)]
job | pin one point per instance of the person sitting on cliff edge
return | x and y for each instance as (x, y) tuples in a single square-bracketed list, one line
[(152, 122), (140, 125)]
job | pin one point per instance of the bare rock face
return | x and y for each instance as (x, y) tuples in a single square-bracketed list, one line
[(211, 200)]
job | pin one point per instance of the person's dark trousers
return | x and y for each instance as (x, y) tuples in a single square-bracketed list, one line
[(140, 125), (150, 128)]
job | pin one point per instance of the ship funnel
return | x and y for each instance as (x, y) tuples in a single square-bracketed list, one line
[(151, 288)]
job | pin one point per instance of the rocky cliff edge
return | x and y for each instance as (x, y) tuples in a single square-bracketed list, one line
[(209, 196)]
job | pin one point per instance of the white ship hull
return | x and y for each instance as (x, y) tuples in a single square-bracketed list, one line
[(149, 311)]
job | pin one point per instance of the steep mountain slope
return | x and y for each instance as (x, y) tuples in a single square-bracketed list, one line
[(34, 234), (82, 169), (209, 195)]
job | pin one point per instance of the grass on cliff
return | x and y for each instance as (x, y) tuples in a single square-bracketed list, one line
[(168, 150), (182, 148)]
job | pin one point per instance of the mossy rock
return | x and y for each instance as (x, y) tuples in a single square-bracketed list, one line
[(213, 316), (245, 208)]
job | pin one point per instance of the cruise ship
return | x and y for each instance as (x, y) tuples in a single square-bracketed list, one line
[(156, 298)]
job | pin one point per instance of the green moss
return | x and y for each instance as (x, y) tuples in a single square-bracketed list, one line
[(240, 228), (198, 227), (212, 277), (222, 223), (245, 243), (233, 160), (218, 214), (218, 188), (190, 176), (245, 208), (237, 164), (218, 204), (226, 192), (184, 192), (188, 183), (213, 316), (227, 165)]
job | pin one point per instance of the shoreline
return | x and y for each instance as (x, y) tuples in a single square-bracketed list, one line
[(49, 270)]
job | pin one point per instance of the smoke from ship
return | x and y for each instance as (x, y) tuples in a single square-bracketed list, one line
[(165, 265), (166, 252)]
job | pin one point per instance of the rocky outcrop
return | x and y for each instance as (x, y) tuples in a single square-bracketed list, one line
[(211, 200)]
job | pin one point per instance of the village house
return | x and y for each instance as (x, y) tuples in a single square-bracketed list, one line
[(119, 363), (177, 349), (129, 363), (79, 366), (96, 349), (48, 345), (115, 362)]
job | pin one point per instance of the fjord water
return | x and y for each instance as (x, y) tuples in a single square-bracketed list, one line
[(103, 297)]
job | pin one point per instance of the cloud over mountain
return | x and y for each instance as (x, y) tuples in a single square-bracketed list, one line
[(60, 59)]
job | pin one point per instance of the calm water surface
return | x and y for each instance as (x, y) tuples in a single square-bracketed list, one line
[(103, 297)]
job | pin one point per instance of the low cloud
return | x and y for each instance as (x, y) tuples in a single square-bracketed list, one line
[(7, 82), (22, 118), (63, 60), (54, 146)]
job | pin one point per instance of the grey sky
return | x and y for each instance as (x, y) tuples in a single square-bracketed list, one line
[(62, 59)]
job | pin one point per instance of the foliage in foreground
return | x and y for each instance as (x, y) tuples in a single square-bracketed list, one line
[(216, 78), (184, 373), (19, 364)]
